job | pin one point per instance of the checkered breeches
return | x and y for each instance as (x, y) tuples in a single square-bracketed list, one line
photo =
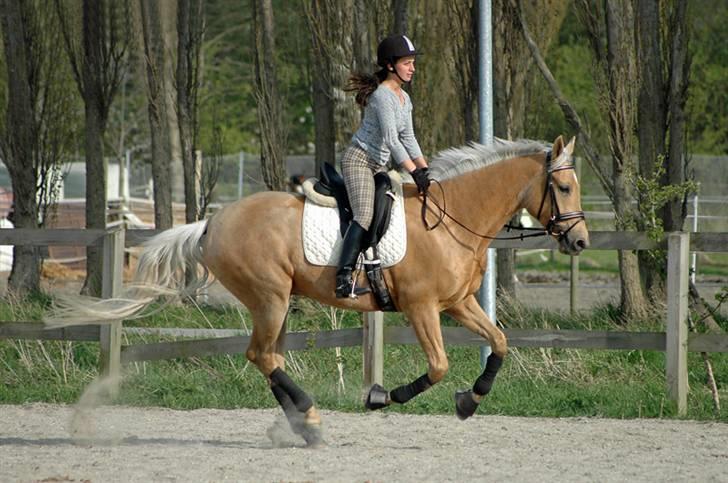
[(358, 171)]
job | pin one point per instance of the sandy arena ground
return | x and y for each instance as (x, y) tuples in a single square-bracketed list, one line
[(152, 444)]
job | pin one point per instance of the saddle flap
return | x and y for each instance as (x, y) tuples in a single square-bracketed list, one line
[(383, 199), (329, 180)]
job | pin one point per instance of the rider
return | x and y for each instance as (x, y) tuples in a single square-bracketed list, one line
[(385, 131)]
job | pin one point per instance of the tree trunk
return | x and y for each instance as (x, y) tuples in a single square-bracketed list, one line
[(632, 301), (17, 147), (361, 42), (273, 143), (106, 35), (674, 212), (94, 128), (323, 90), (154, 53), (399, 13), (168, 15), (620, 63), (95, 194), (651, 112), (512, 81), (190, 25)]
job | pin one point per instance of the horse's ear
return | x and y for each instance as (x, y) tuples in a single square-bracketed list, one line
[(557, 148), (570, 147)]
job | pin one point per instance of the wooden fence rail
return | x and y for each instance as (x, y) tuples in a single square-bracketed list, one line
[(676, 342)]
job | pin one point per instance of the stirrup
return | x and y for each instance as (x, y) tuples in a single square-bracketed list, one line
[(348, 288), (351, 291)]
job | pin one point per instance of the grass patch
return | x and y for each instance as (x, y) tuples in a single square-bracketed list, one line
[(533, 382)]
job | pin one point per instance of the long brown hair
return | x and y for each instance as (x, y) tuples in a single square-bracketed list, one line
[(365, 84)]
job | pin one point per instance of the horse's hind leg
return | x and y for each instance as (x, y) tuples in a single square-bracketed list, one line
[(266, 352), (471, 315), (426, 323)]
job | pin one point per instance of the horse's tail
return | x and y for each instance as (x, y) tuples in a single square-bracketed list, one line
[(160, 272)]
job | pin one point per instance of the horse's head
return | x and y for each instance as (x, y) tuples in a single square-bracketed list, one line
[(558, 205)]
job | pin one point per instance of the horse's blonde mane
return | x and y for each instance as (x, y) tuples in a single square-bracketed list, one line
[(456, 161)]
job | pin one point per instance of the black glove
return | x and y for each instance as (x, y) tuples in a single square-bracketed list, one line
[(420, 175)]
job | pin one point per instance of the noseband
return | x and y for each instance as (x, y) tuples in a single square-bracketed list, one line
[(556, 215)]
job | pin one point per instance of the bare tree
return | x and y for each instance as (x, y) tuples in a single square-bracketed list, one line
[(619, 61), (98, 65), (664, 69), (17, 143), (611, 35), (463, 17), (512, 80), (190, 30), (273, 142), (154, 58), (320, 17), (399, 17), (361, 41)]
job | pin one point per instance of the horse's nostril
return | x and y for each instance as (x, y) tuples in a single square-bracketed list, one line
[(580, 244)]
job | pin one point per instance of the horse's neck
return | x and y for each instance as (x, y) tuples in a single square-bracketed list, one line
[(485, 199)]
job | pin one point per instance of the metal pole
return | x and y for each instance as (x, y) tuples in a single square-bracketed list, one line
[(126, 191), (241, 175), (485, 115)]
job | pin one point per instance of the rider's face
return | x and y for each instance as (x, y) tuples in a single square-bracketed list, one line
[(406, 67)]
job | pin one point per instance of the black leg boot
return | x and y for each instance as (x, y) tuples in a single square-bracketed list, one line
[(352, 245)]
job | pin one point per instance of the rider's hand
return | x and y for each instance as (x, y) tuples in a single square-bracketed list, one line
[(422, 180)]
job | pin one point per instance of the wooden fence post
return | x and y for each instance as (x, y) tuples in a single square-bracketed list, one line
[(110, 334), (676, 365), (574, 278), (373, 348), (574, 286)]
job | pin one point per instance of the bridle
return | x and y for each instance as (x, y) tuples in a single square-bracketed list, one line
[(556, 215)]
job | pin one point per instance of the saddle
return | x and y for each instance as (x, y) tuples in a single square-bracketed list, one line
[(331, 184)]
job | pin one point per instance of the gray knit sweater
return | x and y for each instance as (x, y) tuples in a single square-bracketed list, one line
[(386, 129)]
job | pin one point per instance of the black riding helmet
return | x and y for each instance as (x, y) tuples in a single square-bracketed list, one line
[(393, 48)]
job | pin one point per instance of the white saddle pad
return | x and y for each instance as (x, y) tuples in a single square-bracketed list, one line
[(322, 239)]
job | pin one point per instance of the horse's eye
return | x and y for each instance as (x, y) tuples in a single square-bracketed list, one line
[(565, 189)]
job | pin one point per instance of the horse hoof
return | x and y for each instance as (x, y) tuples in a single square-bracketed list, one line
[(313, 436), (465, 406), (377, 398)]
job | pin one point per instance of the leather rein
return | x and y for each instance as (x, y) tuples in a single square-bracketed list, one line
[(556, 214)]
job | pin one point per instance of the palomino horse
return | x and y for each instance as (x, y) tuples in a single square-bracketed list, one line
[(250, 247)]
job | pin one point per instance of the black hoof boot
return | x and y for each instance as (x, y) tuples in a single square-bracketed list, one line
[(377, 398), (465, 406)]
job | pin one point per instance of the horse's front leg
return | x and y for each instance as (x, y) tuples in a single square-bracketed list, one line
[(426, 323), (471, 315)]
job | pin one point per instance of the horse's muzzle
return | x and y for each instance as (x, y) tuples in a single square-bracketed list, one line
[(573, 245)]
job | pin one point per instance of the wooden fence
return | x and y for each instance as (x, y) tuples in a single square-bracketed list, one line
[(676, 341)]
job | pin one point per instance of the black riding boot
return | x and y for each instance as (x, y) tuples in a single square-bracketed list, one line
[(352, 245)]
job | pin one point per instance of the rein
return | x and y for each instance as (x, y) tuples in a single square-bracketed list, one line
[(556, 215)]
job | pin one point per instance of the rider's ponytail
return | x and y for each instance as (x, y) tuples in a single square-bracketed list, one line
[(365, 84)]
